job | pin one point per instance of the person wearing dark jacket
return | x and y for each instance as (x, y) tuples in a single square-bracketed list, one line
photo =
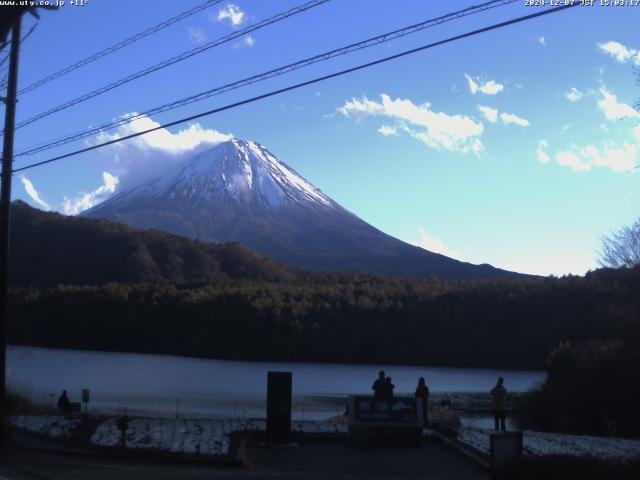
[(64, 405), (499, 396), (388, 387), (378, 386), (422, 392)]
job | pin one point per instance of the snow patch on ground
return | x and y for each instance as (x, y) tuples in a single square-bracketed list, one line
[(201, 436), (198, 436), (51, 425), (542, 443)]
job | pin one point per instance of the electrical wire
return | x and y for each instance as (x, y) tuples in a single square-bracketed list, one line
[(267, 75), (173, 60), (119, 45), (303, 84)]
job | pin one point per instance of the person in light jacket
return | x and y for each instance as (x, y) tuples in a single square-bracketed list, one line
[(422, 391), (499, 396)]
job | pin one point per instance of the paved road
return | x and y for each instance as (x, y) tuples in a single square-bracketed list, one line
[(310, 461)]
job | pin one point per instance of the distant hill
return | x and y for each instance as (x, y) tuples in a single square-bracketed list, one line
[(239, 191), (49, 249)]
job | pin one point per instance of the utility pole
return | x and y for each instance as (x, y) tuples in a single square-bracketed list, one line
[(5, 210)]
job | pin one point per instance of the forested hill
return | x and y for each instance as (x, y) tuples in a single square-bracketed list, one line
[(510, 323), (49, 249)]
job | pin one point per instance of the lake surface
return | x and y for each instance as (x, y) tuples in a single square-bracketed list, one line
[(165, 385)]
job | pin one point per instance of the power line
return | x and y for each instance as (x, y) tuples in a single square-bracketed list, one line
[(269, 74), (176, 59), (302, 84), (119, 45), (2, 62)]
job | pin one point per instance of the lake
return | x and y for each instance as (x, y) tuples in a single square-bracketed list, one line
[(165, 385)]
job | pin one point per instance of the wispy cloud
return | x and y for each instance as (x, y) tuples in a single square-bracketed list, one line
[(573, 95), (491, 114), (249, 41), (387, 130), (620, 52), (196, 35), (33, 193), (73, 206), (542, 41), (153, 153), (614, 110), (232, 13), (509, 118), (488, 87), (429, 242), (439, 130), (541, 154)]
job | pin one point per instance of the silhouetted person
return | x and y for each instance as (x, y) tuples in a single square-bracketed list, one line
[(499, 395), (378, 386), (388, 387), (64, 405), (422, 391)]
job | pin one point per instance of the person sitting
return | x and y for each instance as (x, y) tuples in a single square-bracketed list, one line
[(422, 392), (64, 405), (378, 386)]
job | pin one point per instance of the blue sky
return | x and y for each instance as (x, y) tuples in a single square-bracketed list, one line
[(512, 148)]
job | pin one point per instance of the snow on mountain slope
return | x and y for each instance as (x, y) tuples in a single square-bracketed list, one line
[(240, 171), (238, 191)]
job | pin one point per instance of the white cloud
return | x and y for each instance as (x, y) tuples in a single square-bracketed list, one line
[(149, 155), (612, 156), (490, 87), (73, 206), (541, 154), (196, 35), (542, 41), (387, 130), (33, 193), (636, 131), (428, 242), (573, 95), (249, 41), (232, 13), (618, 159), (456, 133), (612, 109), (508, 118), (491, 114), (620, 52), (572, 160)]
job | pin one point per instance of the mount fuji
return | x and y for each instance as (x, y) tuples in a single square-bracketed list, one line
[(238, 191)]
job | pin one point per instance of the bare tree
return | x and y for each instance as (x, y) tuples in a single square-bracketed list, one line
[(621, 248)]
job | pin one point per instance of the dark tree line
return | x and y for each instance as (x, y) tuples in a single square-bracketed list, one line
[(337, 318)]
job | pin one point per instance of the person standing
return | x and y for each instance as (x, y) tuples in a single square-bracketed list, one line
[(499, 395), (422, 392), (388, 388), (378, 386), (64, 405)]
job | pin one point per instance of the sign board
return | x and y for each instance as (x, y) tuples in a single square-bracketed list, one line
[(278, 406), (506, 455), (85, 395), (399, 411)]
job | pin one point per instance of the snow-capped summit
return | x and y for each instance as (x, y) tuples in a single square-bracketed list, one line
[(235, 171), (239, 191)]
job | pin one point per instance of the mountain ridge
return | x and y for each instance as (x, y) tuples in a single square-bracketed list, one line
[(239, 191)]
